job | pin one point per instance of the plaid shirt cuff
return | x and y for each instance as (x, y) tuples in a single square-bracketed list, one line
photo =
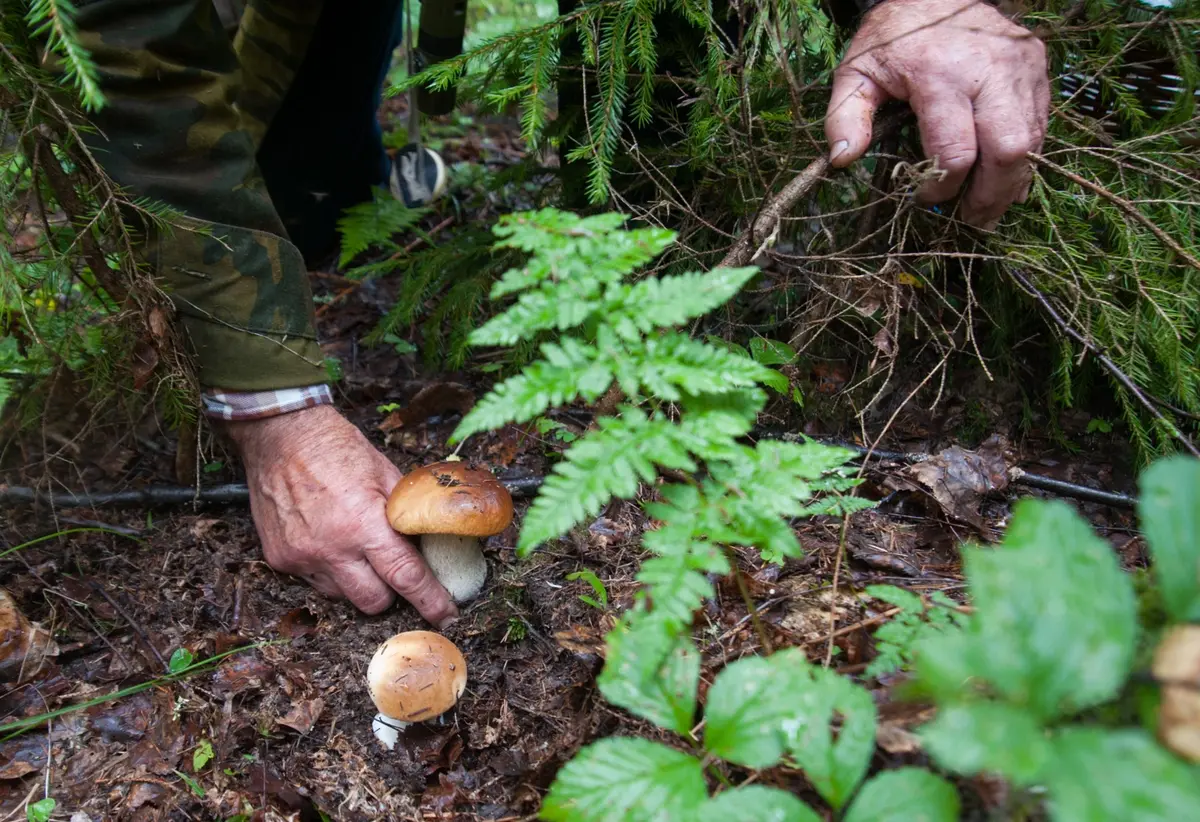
[(255, 405)]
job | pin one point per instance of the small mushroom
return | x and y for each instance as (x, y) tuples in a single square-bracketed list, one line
[(452, 505), (415, 676)]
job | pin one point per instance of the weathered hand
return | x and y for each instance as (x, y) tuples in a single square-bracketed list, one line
[(318, 491), (977, 82)]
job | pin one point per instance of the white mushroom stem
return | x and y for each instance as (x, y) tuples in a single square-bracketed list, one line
[(388, 730), (457, 562)]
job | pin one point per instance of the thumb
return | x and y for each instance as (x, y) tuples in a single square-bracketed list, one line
[(852, 104)]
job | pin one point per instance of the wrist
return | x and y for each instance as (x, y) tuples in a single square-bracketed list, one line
[(277, 433)]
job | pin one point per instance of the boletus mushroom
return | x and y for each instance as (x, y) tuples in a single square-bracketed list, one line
[(415, 676), (451, 506)]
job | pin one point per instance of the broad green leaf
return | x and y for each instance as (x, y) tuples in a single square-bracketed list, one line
[(1099, 775), (202, 755), (41, 810), (1055, 616), (1169, 512), (622, 779), (758, 708), (771, 352), (905, 795), (180, 660), (974, 737), (757, 803), (652, 671)]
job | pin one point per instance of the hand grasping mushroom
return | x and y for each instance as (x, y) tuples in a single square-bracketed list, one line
[(451, 506)]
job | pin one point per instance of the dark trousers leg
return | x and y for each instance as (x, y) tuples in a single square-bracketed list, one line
[(324, 150)]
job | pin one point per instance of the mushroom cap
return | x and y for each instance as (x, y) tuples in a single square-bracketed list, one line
[(450, 498), (416, 675)]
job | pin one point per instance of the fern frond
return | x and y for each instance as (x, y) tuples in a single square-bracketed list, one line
[(610, 462), (570, 369)]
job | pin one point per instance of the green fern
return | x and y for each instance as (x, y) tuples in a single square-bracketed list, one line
[(688, 405)]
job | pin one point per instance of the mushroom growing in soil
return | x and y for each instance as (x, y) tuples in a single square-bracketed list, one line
[(451, 506), (415, 676)]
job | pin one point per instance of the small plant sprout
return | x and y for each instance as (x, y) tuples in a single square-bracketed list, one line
[(452, 505), (415, 676)]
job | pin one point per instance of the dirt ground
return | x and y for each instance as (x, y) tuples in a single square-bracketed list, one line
[(282, 729)]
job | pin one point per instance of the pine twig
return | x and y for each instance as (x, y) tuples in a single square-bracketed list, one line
[(1121, 203), (1112, 368)]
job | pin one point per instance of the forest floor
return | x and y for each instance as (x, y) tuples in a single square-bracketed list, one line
[(282, 729)]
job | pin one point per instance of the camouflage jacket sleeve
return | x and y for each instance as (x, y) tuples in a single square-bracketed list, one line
[(181, 124)]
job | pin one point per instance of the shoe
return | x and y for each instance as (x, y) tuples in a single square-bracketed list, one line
[(414, 182)]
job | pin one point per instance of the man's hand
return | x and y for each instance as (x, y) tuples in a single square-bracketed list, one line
[(318, 491), (977, 82)]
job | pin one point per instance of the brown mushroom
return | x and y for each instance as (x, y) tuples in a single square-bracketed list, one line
[(1177, 668), (415, 676), (451, 506)]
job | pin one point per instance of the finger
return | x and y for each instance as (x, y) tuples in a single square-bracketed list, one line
[(397, 561), (362, 586), (1006, 135), (947, 124), (852, 103)]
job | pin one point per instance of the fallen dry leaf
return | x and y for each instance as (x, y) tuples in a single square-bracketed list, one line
[(303, 715), (24, 645), (959, 479), (436, 398)]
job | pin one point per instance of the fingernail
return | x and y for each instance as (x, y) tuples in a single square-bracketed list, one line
[(839, 148), (447, 622)]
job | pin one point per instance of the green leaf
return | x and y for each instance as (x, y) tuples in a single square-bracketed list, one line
[(982, 736), (1055, 616), (195, 786), (771, 352), (670, 301), (1100, 775), (757, 803), (760, 707), (1169, 511), (622, 779), (570, 369), (652, 671), (905, 795), (609, 462), (41, 810), (202, 755), (180, 660), (594, 581)]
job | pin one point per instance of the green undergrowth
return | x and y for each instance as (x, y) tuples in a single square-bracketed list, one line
[(79, 316), (689, 115), (1038, 684)]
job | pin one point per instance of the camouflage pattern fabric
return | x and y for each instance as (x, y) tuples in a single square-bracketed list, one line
[(185, 114)]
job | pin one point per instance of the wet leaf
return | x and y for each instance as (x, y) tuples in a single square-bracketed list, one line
[(24, 645), (1101, 775), (905, 795), (622, 779), (982, 736), (1169, 511), (757, 803), (758, 708)]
